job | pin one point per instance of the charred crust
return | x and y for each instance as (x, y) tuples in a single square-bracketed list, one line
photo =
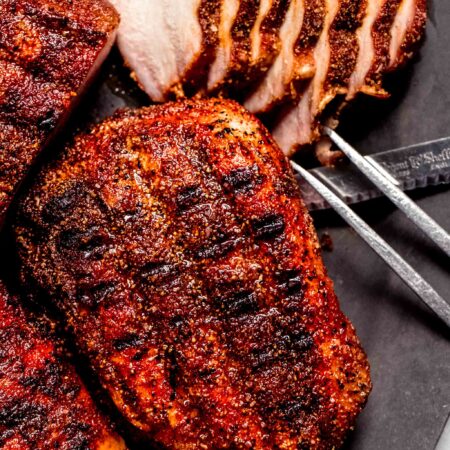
[(188, 197), (269, 226), (243, 180), (237, 303)]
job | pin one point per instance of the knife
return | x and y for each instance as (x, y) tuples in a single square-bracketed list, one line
[(414, 166)]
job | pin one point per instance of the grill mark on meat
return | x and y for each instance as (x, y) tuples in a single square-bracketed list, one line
[(129, 340), (291, 282), (60, 205), (261, 319), (238, 303), (269, 226), (243, 180), (188, 197), (93, 296)]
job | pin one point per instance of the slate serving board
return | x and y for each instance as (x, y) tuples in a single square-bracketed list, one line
[(409, 349)]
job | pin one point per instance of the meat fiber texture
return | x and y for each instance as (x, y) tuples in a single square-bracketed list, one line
[(289, 58), (49, 50), (43, 403), (175, 243)]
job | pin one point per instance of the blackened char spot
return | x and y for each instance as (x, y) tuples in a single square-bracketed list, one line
[(292, 409), (290, 281), (93, 296), (301, 340), (48, 122), (174, 370), (79, 240), (238, 303), (188, 196), (19, 412), (242, 180), (130, 340), (297, 341), (58, 207), (158, 272), (218, 246), (269, 226)]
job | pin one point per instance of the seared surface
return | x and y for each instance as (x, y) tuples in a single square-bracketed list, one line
[(43, 404), (47, 51), (175, 242)]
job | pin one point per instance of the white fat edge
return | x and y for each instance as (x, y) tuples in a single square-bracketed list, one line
[(273, 87), (402, 22), (255, 35), (366, 49), (146, 46), (219, 67), (296, 126)]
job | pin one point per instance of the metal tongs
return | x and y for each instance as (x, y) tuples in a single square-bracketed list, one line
[(387, 184)]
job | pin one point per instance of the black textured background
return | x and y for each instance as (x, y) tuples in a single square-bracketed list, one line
[(409, 349)]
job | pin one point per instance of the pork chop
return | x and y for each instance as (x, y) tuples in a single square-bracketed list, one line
[(175, 242)]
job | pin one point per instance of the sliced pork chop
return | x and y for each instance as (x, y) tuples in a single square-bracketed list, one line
[(43, 403), (49, 50), (180, 252), (293, 55)]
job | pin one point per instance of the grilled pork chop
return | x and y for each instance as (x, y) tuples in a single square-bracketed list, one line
[(174, 240), (317, 51), (43, 404), (48, 52)]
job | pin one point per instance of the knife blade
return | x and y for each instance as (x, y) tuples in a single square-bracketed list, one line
[(414, 166)]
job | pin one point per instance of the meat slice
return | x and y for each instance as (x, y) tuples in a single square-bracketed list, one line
[(43, 403), (297, 123), (220, 66), (48, 52), (298, 35), (366, 51), (181, 254), (255, 42), (407, 30), (161, 40)]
